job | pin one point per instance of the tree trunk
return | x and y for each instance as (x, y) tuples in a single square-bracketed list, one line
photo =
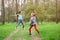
[(16, 8), (3, 12), (12, 10), (37, 2), (56, 11), (8, 11)]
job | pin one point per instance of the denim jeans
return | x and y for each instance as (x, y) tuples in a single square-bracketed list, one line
[(20, 21)]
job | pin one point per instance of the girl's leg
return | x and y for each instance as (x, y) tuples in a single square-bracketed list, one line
[(18, 23), (22, 24), (36, 28), (30, 29)]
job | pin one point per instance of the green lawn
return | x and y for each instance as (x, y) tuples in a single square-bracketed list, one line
[(6, 29), (48, 31)]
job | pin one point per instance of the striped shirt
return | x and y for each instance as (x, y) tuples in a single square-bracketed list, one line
[(33, 20)]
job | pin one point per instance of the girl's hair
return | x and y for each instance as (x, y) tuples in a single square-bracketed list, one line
[(33, 14), (18, 12)]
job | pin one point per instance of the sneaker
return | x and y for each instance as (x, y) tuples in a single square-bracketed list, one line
[(30, 34)]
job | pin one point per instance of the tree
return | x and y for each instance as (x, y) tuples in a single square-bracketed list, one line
[(46, 4), (8, 11), (16, 6), (56, 11), (37, 2), (3, 12), (12, 10)]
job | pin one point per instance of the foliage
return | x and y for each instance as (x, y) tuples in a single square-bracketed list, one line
[(42, 13)]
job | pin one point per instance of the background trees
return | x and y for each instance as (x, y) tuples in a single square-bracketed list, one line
[(47, 10)]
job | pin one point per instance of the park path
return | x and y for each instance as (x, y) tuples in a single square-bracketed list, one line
[(11, 34), (33, 37)]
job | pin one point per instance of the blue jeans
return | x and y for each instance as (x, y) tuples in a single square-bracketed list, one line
[(20, 21)]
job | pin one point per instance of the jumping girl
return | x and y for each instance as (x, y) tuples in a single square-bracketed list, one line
[(33, 22)]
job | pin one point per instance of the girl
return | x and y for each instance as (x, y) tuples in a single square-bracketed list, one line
[(20, 19), (33, 22)]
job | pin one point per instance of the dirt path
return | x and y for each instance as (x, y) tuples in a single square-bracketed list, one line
[(35, 37), (11, 34)]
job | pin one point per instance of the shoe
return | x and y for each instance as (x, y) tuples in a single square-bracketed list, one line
[(30, 34), (38, 32)]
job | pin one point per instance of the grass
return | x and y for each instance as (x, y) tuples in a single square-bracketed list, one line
[(6, 29), (48, 31)]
